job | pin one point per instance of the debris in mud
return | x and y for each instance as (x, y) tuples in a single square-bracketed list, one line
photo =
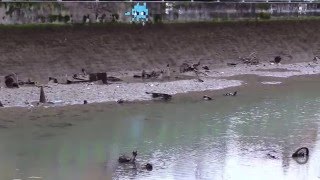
[(232, 64), (160, 95), (185, 68), (145, 75), (195, 66), (11, 81), (52, 79), (316, 59), (113, 79), (231, 94), (271, 156), (42, 96), (1, 105), (98, 76), (29, 82), (250, 60), (205, 68), (277, 59), (85, 102), (60, 125)]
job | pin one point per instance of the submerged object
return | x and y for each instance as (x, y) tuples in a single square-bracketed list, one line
[(207, 98), (301, 152), (231, 94), (126, 159)]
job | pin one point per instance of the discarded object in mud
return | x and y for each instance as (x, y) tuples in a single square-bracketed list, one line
[(75, 81), (301, 152), (52, 79), (126, 159), (160, 95), (85, 102), (42, 96), (148, 167), (206, 68), (231, 94), (98, 76), (316, 59), (195, 66), (207, 98), (113, 79), (137, 76), (11, 81), (271, 156), (120, 101), (200, 80), (143, 74), (277, 59), (185, 68), (1, 105), (250, 60), (81, 76), (232, 64)]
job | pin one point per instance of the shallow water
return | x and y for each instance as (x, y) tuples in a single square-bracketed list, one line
[(251, 136)]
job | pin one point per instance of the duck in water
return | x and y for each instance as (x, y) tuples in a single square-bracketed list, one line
[(126, 159), (231, 94)]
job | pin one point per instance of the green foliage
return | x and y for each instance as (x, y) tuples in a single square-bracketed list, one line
[(66, 18), (115, 17), (263, 6), (157, 18), (42, 18), (52, 18), (264, 15)]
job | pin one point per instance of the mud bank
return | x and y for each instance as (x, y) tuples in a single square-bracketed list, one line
[(216, 79)]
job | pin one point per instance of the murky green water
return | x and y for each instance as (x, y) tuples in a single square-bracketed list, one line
[(229, 138)]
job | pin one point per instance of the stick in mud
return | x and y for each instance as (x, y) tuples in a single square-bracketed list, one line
[(42, 95)]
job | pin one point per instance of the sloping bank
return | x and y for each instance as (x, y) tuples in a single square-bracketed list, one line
[(42, 51)]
